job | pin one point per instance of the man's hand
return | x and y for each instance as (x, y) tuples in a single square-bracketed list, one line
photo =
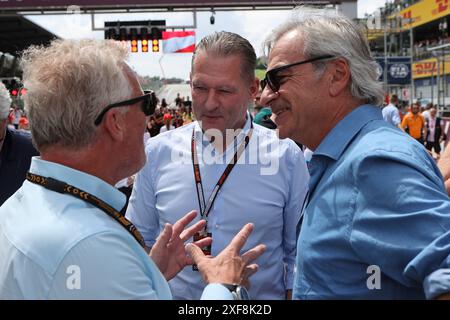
[(169, 252), (228, 267)]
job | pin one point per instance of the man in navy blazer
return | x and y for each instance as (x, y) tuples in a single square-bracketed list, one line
[(16, 151)]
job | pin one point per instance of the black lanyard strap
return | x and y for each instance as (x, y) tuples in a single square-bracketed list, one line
[(64, 188), (205, 207)]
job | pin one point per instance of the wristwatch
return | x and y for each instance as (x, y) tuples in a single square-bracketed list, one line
[(239, 292)]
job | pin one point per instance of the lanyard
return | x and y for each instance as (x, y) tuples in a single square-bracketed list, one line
[(205, 208), (62, 187)]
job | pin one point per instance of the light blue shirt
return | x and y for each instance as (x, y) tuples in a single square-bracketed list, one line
[(391, 114), (377, 225), (55, 246), (266, 187)]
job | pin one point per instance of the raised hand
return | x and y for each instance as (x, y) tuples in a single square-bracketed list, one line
[(169, 252), (229, 266)]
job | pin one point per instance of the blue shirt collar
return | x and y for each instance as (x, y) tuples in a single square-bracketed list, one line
[(86, 182), (340, 136)]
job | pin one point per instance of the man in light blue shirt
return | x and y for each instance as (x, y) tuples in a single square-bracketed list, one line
[(62, 234), (377, 222), (267, 186), (391, 113)]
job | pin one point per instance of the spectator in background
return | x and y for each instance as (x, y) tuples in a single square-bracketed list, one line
[(181, 103), (16, 151), (17, 116), (413, 123), (152, 127), (178, 100), (163, 103), (426, 111), (24, 123), (159, 119), (434, 133), (188, 104), (167, 123), (263, 118), (261, 114), (187, 115), (178, 121), (391, 113)]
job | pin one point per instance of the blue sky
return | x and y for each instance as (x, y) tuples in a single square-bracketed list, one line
[(253, 25)]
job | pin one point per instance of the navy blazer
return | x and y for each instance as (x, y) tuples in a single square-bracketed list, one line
[(15, 159)]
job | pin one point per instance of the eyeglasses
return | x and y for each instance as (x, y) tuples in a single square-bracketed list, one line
[(148, 105), (273, 81)]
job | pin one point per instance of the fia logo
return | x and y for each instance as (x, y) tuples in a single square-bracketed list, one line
[(399, 70)]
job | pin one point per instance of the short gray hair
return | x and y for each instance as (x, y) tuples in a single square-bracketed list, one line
[(225, 43), (68, 84), (326, 32), (5, 102)]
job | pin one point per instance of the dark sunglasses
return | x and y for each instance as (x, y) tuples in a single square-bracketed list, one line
[(148, 105), (273, 81)]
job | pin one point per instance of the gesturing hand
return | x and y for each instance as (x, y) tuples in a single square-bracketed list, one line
[(229, 266), (169, 252)]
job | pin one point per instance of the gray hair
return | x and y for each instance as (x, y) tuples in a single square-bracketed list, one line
[(68, 84), (5, 102), (326, 32), (227, 43)]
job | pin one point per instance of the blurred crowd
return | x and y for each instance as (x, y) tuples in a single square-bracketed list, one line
[(165, 118)]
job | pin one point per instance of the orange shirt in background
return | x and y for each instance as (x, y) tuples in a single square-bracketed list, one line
[(415, 123)]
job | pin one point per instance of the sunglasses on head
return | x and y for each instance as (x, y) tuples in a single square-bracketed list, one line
[(273, 81), (148, 105)]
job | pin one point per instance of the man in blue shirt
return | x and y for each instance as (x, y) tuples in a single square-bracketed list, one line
[(63, 234), (377, 222), (16, 151), (267, 185)]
